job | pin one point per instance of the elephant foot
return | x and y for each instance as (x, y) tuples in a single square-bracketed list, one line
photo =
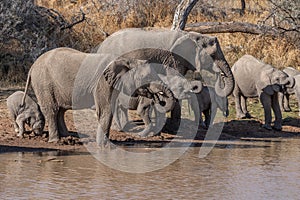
[(241, 116), (148, 132), (53, 139), (64, 134), (287, 109), (277, 127), (20, 135), (101, 140), (267, 126), (248, 116)]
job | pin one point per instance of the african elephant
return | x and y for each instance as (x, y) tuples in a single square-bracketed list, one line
[(253, 78), (181, 89), (63, 76), (201, 52), (198, 51), (27, 113), (284, 97), (208, 103)]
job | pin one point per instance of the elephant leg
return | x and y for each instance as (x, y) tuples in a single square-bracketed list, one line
[(238, 107), (244, 107), (286, 103), (104, 116), (144, 113), (120, 119), (207, 118), (281, 100), (20, 124), (16, 127), (266, 102), (277, 112), (174, 124), (62, 128), (51, 116)]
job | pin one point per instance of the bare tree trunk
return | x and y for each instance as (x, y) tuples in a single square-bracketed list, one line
[(243, 7), (181, 14)]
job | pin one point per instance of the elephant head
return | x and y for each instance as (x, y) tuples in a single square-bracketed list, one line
[(130, 77), (181, 87), (205, 53), (274, 80)]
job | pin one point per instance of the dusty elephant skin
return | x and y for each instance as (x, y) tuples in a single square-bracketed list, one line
[(208, 103), (201, 53), (181, 89), (58, 73), (28, 113), (284, 97), (253, 78)]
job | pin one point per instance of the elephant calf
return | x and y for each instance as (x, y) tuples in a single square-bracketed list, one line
[(253, 78), (28, 113), (143, 107), (208, 102), (284, 97)]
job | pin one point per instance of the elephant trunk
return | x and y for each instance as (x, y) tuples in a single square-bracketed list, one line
[(289, 82), (225, 82), (163, 96), (196, 86)]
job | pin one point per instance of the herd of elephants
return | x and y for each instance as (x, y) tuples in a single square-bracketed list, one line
[(148, 70)]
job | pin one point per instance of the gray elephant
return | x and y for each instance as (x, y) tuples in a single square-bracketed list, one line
[(201, 53), (208, 103), (284, 97), (181, 89), (63, 76), (28, 113), (253, 78)]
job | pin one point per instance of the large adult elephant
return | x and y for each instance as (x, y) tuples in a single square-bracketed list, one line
[(253, 78), (201, 52), (63, 76)]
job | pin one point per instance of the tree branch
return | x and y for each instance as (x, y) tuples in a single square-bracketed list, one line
[(181, 14), (232, 27)]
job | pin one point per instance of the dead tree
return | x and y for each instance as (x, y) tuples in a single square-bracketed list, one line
[(181, 14)]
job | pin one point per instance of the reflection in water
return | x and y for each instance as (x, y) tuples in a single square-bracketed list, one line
[(258, 170)]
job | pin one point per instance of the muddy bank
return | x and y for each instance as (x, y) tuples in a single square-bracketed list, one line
[(232, 130)]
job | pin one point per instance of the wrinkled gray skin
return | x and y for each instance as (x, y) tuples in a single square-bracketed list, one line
[(284, 97), (208, 103), (253, 78), (65, 78), (179, 86), (143, 107), (29, 114), (201, 53)]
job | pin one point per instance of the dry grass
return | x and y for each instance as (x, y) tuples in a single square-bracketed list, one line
[(109, 18)]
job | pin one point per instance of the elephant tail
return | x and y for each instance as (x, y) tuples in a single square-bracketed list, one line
[(26, 88)]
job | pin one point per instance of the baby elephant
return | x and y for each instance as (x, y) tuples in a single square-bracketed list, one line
[(208, 103), (29, 113), (253, 78)]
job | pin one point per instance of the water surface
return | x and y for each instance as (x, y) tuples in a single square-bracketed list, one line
[(248, 170)]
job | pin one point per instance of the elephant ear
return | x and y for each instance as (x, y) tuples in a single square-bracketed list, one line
[(115, 70), (264, 83), (186, 48)]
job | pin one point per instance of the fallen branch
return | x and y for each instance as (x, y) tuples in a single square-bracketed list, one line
[(232, 27)]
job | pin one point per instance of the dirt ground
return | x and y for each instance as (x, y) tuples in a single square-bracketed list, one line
[(233, 129)]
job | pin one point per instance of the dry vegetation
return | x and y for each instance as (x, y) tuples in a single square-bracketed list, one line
[(110, 16), (40, 33)]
